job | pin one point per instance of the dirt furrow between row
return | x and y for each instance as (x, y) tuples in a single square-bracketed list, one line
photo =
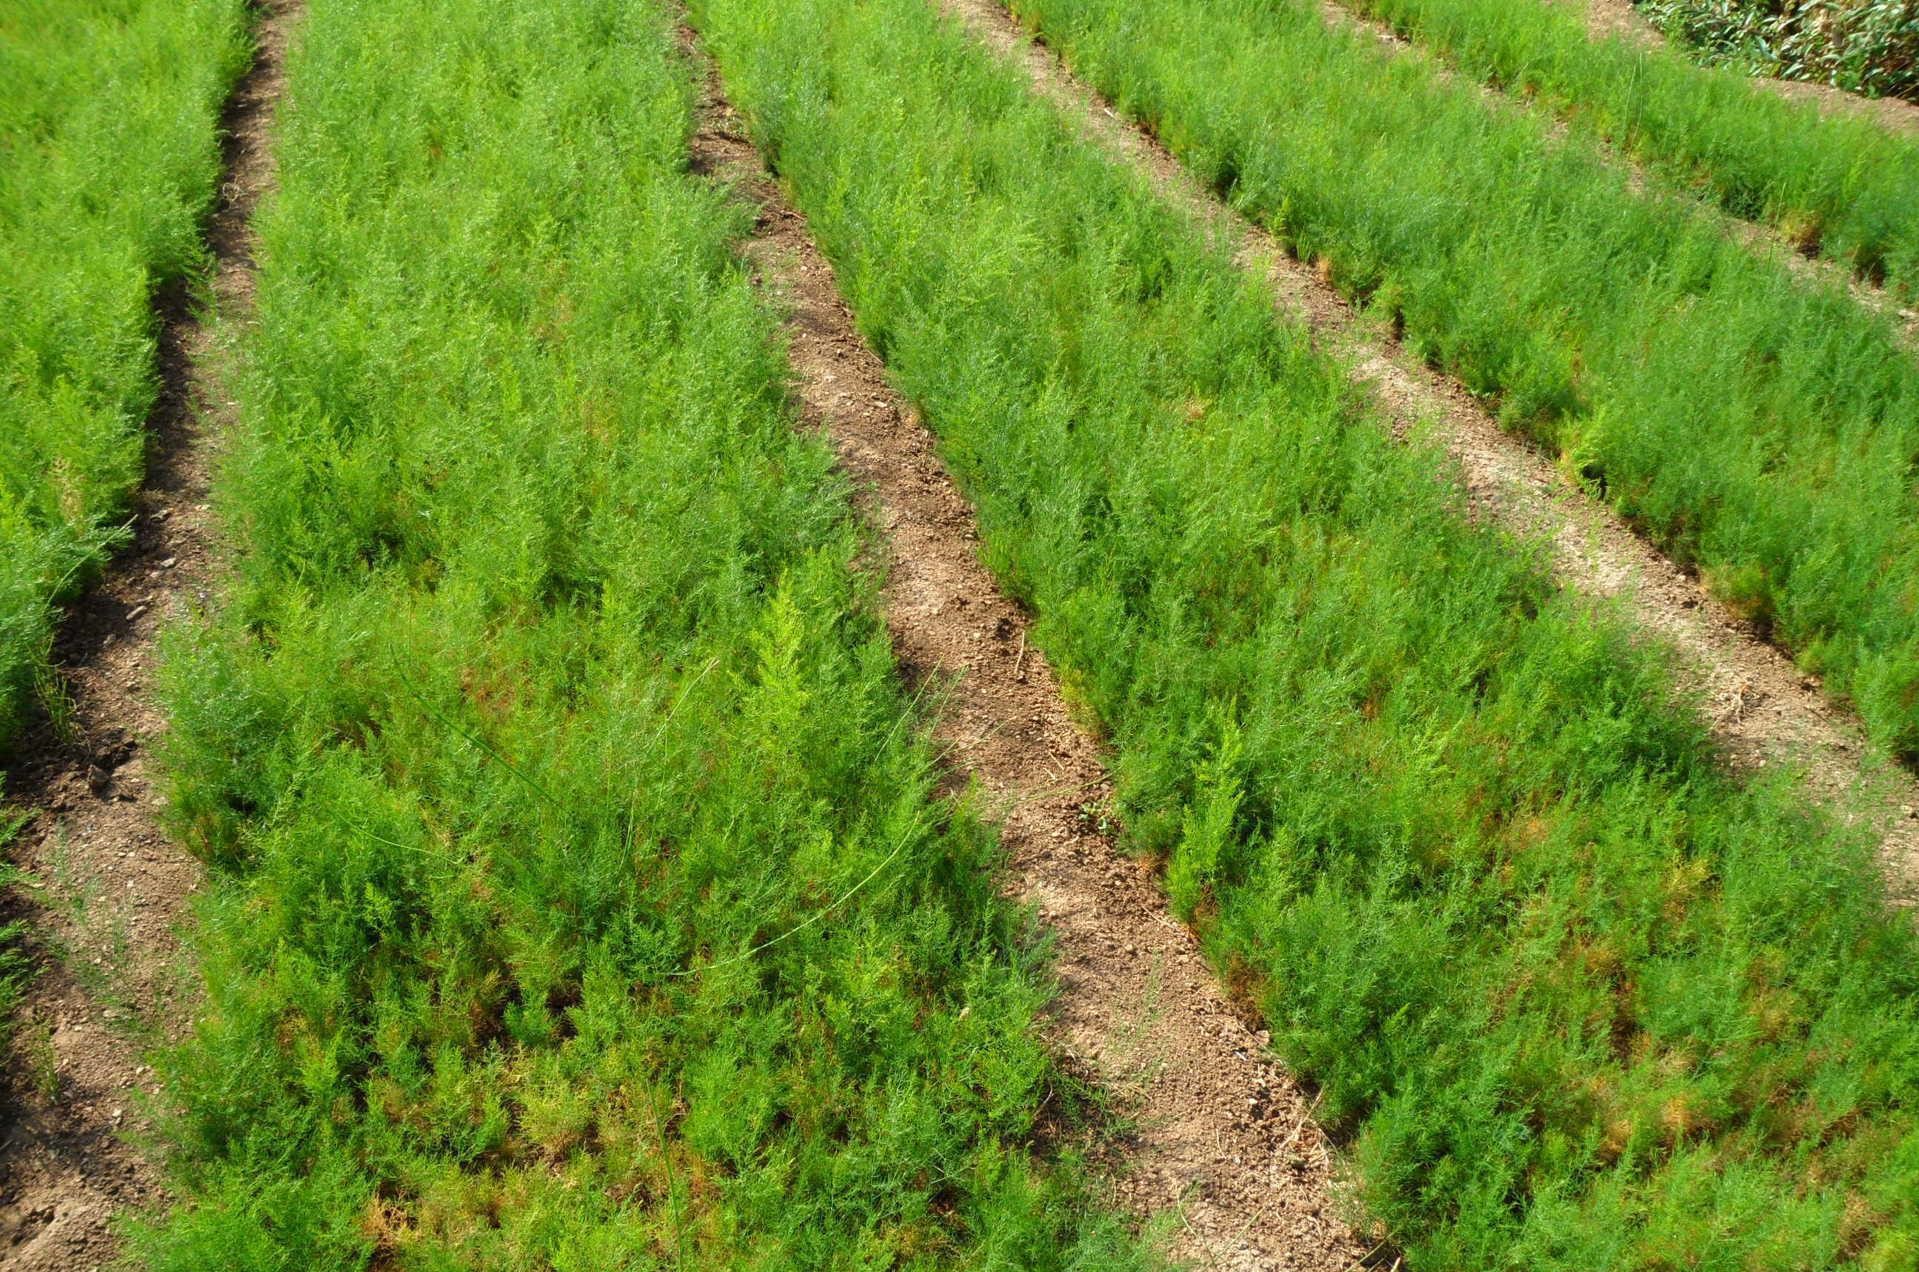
[(1762, 709), (1756, 236), (1219, 1135), (112, 886), (1618, 17)]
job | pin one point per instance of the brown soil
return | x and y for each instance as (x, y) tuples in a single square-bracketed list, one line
[(1620, 18), (1762, 709), (1763, 239), (1219, 1137), (113, 885)]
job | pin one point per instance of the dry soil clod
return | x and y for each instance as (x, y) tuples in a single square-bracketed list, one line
[(1224, 1137), (75, 1093)]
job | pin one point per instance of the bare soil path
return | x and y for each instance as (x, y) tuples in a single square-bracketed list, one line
[(1221, 1137), (1620, 18), (1762, 709), (114, 886)]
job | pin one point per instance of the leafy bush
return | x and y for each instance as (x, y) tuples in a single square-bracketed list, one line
[(1864, 46)]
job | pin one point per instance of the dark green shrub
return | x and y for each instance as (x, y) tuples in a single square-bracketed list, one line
[(1863, 46)]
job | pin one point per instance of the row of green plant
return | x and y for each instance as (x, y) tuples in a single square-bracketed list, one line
[(580, 898), (1839, 185), (1576, 998), (1762, 428), (1863, 46), (16, 963), (108, 157)]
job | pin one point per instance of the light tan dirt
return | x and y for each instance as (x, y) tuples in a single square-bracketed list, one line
[(1762, 239), (1220, 1137), (1762, 709), (113, 885), (1620, 18)]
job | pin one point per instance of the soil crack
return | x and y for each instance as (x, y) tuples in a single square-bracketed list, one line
[(1221, 1136), (114, 885)]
